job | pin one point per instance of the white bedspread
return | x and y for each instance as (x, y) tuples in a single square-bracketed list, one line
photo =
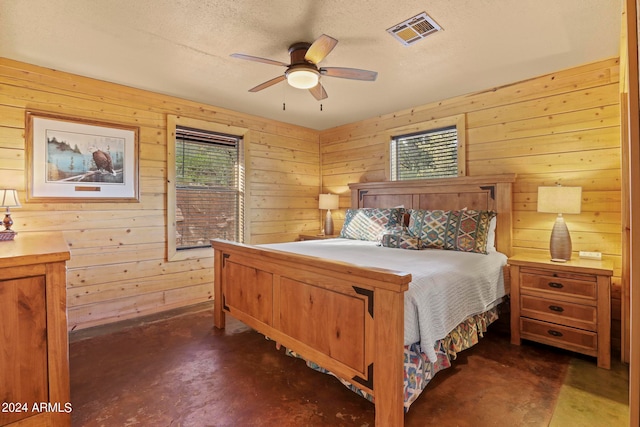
[(446, 287)]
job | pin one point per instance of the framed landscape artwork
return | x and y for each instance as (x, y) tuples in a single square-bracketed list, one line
[(80, 160)]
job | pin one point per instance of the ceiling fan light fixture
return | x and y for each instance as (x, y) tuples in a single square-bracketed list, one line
[(303, 77), (303, 71)]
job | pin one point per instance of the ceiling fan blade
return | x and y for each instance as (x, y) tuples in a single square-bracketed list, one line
[(320, 48), (267, 84), (258, 59), (318, 92), (349, 73)]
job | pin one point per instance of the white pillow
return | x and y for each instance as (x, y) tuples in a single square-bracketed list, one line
[(491, 235)]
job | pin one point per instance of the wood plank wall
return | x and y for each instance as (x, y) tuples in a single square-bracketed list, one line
[(563, 127), (559, 128), (118, 266)]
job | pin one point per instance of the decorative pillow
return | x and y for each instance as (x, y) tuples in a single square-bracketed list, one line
[(401, 239), (370, 223), (468, 230), (429, 226)]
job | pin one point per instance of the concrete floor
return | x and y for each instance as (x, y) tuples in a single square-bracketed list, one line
[(593, 397), (180, 371)]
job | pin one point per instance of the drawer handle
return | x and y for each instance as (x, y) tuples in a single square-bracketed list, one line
[(556, 285), (556, 308), (554, 333)]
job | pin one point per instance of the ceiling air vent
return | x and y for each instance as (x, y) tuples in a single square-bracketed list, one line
[(414, 29)]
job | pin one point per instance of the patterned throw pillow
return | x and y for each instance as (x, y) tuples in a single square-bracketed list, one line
[(370, 223), (468, 230), (429, 226), (459, 230), (401, 239)]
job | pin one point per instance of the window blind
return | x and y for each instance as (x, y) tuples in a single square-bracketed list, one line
[(209, 188), (430, 154)]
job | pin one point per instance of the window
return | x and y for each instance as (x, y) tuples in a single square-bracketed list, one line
[(206, 187), (209, 202), (434, 152)]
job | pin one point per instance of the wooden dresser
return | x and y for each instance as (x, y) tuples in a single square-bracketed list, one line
[(34, 350), (567, 305)]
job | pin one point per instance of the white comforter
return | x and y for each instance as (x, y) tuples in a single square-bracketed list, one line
[(446, 287)]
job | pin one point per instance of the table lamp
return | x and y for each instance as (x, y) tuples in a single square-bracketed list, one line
[(8, 199), (560, 200), (328, 202)]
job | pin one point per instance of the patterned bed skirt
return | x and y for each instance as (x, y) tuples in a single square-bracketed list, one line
[(418, 370)]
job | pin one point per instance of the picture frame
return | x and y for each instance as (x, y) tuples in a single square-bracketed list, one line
[(79, 160)]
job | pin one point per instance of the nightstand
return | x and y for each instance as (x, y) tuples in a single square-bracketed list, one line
[(316, 236), (566, 305)]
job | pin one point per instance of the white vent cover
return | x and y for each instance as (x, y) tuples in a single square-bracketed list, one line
[(414, 29)]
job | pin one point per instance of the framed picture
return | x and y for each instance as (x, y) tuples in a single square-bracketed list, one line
[(80, 160)]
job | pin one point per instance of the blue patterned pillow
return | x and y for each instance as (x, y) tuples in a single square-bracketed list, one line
[(468, 230), (401, 239), (429, 226), (370, 223), (459, 230)]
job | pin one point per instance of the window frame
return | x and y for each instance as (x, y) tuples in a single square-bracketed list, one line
[(172, 123), (459, 121)]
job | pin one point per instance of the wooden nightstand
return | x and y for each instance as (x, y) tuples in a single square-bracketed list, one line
[(317, 236), (567, 305)]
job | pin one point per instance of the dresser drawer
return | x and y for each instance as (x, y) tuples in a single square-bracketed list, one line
[(560, 336), (565, 284), (560, 312)]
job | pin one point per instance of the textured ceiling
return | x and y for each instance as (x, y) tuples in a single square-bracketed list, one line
[(182, 48)]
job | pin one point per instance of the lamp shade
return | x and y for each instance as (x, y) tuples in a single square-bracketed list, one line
[(558, 199), (328, 201), (9, 199)]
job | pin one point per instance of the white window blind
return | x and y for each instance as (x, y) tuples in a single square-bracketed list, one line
[(429, 154), (209, 188)]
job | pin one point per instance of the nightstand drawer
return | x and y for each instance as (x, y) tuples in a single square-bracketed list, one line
[(561, 312), (560, 336), (567, 284)]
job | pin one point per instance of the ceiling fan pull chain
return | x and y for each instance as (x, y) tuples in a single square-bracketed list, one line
[(320, 107), (284, 107)]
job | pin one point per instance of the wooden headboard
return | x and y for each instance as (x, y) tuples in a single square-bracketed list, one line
[(491, 192)]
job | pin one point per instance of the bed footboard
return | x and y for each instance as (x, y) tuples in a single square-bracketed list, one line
[(345, 318)]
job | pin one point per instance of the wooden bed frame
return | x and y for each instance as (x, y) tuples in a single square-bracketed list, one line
[(345, 318)]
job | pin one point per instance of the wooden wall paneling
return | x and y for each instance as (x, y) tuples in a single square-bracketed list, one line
[(118, 268), (542, 107), (592, 139), (562, 127), (285, 183), (587, 76)]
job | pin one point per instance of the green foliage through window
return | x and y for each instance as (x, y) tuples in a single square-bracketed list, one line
[(209, 188), (429, 154)]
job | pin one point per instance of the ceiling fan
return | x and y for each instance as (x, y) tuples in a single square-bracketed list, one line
[(303, 71)]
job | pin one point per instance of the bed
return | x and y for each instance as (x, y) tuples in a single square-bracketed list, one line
[(349, 317)]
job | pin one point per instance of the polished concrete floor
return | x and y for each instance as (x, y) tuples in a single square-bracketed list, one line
[(591, 396), (180, 371)]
